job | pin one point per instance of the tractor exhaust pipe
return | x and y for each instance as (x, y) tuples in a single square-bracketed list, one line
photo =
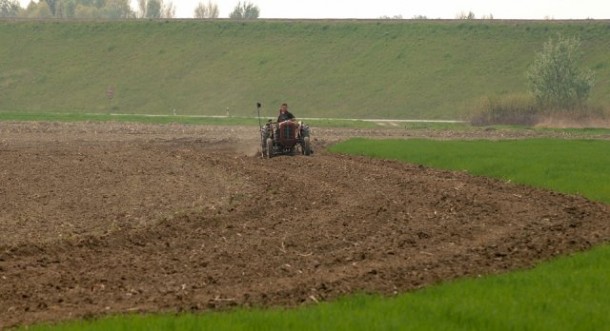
[(260, 127)]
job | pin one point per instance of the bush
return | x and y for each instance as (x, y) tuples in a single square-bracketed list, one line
[(507, 110)]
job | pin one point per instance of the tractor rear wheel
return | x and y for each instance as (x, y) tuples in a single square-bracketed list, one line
[(306, 146)]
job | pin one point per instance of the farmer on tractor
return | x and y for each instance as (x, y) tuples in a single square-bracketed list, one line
[(286, 136), (284, 115)]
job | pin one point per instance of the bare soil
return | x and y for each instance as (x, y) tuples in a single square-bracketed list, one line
[(106, 218)]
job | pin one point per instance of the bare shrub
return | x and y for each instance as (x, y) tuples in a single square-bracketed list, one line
[(209, 10), (506, 110), (516, 109), (582, 117)]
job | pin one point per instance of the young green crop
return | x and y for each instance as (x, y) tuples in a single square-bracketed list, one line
[(571, 166)]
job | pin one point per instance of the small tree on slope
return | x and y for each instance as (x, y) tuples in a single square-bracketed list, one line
[(554, 77)]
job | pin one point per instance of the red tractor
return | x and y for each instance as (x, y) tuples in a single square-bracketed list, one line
[(285, 138)]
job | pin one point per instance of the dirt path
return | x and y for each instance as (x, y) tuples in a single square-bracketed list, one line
[(111, 218)]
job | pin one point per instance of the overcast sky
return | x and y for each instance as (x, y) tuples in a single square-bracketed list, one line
[(447, 9), (505, 9)]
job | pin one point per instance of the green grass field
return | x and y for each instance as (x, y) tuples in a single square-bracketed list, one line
[(414, 69), (569, 293), (571, 166)]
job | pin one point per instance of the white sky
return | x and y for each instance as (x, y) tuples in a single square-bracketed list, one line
[(447, 9)]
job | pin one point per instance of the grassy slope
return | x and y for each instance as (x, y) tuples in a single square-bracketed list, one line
[(363, 69)]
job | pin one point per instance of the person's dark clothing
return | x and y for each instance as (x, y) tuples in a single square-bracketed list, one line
[(285, 116)]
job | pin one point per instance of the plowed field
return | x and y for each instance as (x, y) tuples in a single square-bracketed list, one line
[(99, 219)]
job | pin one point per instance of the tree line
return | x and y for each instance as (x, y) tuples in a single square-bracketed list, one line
[(117, 9)]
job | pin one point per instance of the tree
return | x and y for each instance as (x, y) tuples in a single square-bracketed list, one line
[(209, 10), (116, 9), (168, 10), (60, 9), (9, 8), (37, 10), (466, 16), (85, 11), (70, 8), (245, 11), (555, 78), (155, 9), (395, 17), (141, 8), (52, 5)]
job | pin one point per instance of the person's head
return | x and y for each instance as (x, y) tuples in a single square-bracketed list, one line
[(283, 108)]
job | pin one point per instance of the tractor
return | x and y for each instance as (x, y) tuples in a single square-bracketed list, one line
[(285, 138)]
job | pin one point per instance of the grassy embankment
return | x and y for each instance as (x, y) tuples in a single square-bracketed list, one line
[(570, 293), (340, 69)]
